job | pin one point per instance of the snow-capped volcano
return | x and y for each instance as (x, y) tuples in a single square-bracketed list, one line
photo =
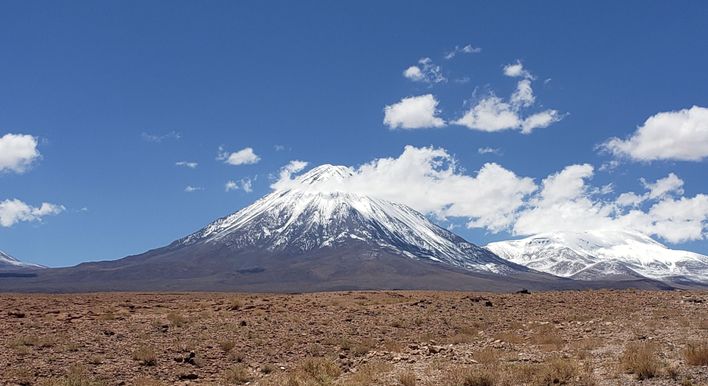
[(8, 262), (603, 254), (309, 215)]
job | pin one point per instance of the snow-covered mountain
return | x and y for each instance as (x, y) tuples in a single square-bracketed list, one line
[(603, 254), (308, 216), (8, 262)]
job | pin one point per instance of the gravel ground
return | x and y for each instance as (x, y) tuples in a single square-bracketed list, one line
[(355, 338)]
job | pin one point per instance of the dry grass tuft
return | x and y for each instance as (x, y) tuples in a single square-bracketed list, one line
[(407, 379), (227, 345), (145, 355), (321, 369), (369, 373), (176, 319), (237, 375), (235, 304), (549, 337), (268, 368), (487, 356), (640, 359), (696, 354), (77, 376), (556, 372), (472, 377)]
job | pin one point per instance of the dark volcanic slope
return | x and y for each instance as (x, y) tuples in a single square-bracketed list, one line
[(341, 269)]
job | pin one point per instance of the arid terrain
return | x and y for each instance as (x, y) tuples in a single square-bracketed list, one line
[(600, 337)]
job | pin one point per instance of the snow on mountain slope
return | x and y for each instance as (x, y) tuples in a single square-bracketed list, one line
[(9, 262), (309, 215), (602, 254)]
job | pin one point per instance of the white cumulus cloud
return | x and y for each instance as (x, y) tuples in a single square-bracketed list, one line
[(244, 156), (493, 113), (17, 152), (567, 202), (673, 135), (516, 70), (416, 112), (13, 211)]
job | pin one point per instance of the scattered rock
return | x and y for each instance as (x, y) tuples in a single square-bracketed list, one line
[(187, 377)]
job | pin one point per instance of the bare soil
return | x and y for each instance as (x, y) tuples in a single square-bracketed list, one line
[(603, 337)]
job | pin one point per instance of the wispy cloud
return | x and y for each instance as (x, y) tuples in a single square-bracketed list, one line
[(157, 138), (425, 71), (245, 184), (191, 189), (489, 150), (467, 49), (187, 164)]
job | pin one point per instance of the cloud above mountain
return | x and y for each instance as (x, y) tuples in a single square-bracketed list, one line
[(489, 113), (497, 199), (418, 112), (492, 113), (13, 211), (680, 135)]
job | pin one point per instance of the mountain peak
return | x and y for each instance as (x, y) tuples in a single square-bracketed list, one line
[(315, 215), (325, 173)]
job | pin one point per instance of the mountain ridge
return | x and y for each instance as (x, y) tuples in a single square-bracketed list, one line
[(603, 254), (8, 262)]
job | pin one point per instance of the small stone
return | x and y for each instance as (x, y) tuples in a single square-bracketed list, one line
[(187, 377)]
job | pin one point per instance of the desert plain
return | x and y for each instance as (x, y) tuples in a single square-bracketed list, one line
[(408, 338)]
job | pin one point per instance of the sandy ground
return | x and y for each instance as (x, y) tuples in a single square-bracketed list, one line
[(356, 338)]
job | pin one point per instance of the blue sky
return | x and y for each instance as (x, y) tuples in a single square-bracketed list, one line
[(115, 93)]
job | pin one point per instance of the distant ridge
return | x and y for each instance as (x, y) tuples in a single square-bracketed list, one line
[(604, 255)]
